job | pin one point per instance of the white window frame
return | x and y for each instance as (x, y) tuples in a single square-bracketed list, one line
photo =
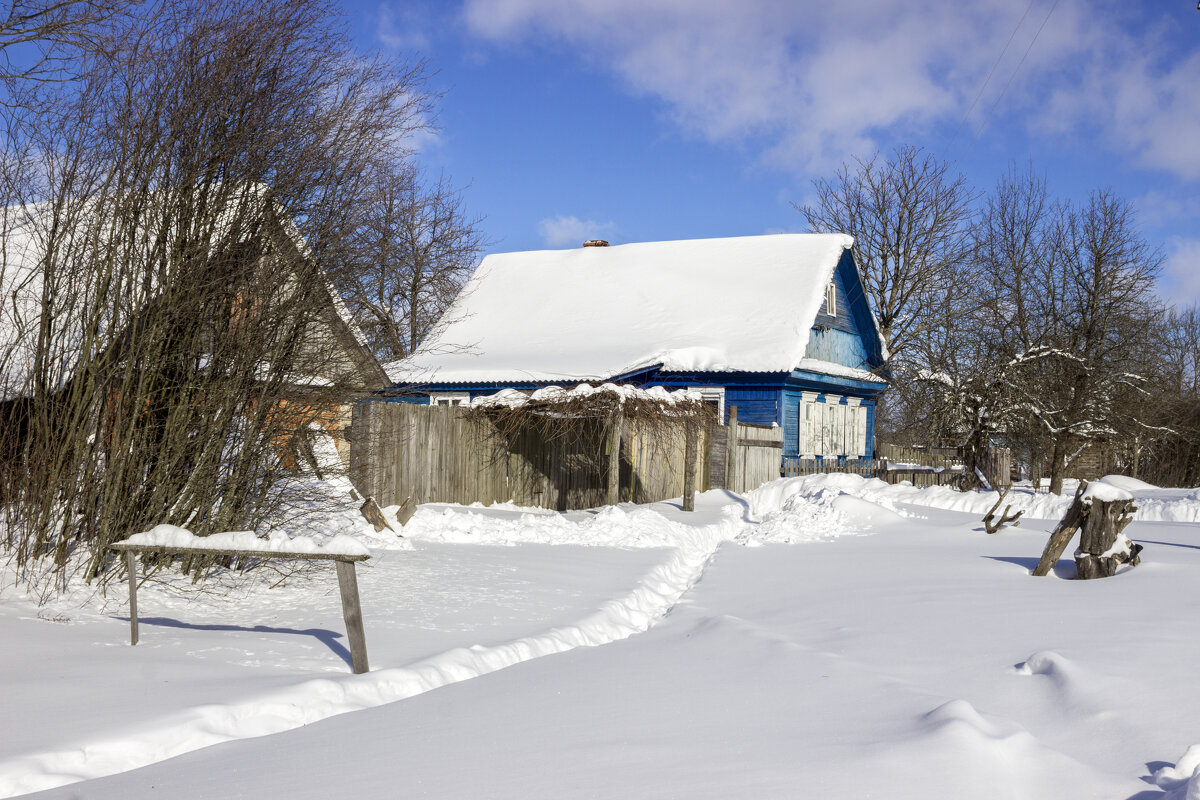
[(714, 393), (449, 398), (831, 298)]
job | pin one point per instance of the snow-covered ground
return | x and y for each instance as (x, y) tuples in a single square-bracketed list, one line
[(825, 636)]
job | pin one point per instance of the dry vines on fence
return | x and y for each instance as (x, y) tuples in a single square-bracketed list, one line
[(556, 413), (595, 419)]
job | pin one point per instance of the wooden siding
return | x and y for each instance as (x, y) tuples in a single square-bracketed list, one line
[(844, 319), (755, 406), (837, 346)]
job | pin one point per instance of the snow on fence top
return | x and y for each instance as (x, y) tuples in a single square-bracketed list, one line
[(511, 398), (278, 543), (592, 313)]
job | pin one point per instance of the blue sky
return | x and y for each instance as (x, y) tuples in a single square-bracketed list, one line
[(635, 120)]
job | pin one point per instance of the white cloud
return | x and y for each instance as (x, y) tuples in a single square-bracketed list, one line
[(1181, 273), (1157, 209), (816, 81), (402, 28), (571, 231)]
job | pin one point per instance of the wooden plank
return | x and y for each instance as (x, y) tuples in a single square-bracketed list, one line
[(689, 468), (130, 549), (352, 613), (731, 471), (131, 568), (614, 457)]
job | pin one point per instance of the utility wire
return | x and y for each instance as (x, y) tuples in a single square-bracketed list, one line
[(988, 117), (991, 72)]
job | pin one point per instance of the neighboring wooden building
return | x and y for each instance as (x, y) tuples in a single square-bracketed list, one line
[(776, 325), (339, 367)]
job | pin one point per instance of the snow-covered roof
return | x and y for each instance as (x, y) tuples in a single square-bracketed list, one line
[(24, 236), (741, 304)]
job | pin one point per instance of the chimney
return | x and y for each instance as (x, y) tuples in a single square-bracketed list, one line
[(595, 243)]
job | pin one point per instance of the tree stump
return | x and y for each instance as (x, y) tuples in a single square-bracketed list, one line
[(1102, 513), (1102, 545)]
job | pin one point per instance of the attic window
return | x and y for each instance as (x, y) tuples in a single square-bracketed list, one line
[(449, 399), (831, 299)]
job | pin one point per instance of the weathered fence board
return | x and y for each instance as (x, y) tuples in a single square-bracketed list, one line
[(759, 450), (439, 454)]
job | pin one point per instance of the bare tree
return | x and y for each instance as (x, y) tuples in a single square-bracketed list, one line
[(1103, 311), (166, 268), (1166, 451), (413, 249), (910, 216), (1056, 350)]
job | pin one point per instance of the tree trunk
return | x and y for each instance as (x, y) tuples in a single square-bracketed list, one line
[(1062, 534), (1058, 465), (974, 446), (1099, 555)]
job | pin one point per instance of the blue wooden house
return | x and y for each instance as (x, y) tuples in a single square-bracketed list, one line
[(776, 325)]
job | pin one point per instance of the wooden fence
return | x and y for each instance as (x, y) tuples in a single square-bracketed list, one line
[(794, 466), (756, 458), (944, 457), (941, 467), (437, 454)]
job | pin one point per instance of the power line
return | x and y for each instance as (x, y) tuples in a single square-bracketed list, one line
[(991, 72), (988, 117)]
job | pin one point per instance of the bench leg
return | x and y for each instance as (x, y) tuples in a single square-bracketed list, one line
[(131, 568), (352, 612)]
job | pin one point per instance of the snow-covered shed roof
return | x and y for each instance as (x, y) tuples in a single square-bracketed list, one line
[(742, 304), (24, 242)]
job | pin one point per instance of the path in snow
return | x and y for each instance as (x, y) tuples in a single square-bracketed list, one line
[(923, 662), (283, 709)]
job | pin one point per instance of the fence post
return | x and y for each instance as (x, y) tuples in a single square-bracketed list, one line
[(614, 456), (689, 467), (131, 568), (731, 451), (352, 614)]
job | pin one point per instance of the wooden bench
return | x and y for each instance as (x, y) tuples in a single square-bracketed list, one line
[(347, 584)]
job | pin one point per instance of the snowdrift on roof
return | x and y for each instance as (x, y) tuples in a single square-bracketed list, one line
[(711, 305)]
